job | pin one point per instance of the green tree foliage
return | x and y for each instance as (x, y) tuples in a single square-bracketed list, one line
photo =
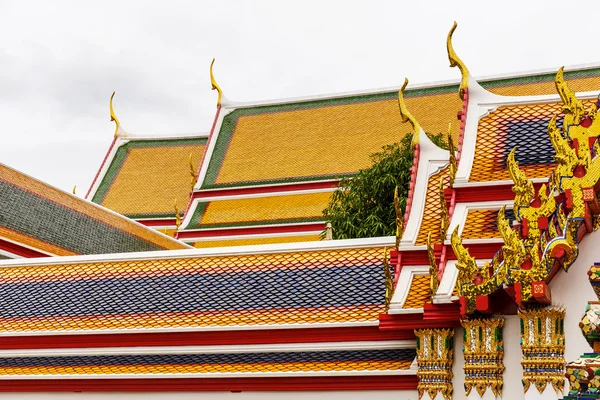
[(363, 206)]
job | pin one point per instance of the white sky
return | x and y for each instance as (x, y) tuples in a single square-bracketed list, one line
[(61, 60)]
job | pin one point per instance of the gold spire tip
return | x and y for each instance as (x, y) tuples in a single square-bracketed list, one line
[(214, 84), (407, 116), (113, 116), (455, 61)]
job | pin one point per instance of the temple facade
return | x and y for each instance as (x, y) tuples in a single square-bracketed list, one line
[(196, 267)]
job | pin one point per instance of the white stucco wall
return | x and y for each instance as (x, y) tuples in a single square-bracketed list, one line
[(330, 395)]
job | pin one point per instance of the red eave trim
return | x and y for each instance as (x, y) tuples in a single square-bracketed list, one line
[(409, 322), (328, 184), (101, 166), (251, 230), (206, 338), (487, 193), (19, 250), (158, 222), (396, 382)]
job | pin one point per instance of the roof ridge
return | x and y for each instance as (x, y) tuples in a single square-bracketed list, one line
[(417, 86)]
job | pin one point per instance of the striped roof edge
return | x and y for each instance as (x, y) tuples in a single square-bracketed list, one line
[(141, 177), (42, 218)]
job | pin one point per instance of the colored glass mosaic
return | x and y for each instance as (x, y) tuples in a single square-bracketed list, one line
[(283, 288), (482, 224), (56, 222), (317, 361), (431, 221), (435, 356), (146, 176), (483, 349), (418, 294), (543, 346)]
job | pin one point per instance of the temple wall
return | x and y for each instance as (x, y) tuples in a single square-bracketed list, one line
[(329, 395)]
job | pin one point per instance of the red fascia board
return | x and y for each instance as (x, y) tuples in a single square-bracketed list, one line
[(328, 184), (322, 383), (19, 250), (158, 222), (478, 250), (409, 322), (471, 194), (251, 230), (206, 338)]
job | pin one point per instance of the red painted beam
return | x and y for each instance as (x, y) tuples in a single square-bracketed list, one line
[(487, 193), (265, 336), (251, 230), (19, 250), (409, 322), (332, 183), (326, 383), (158, 222)]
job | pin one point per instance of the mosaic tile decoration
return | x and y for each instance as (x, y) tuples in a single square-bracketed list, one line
[(40, 216), (482, 224), (146, 176), (282, 288), (306, 361)]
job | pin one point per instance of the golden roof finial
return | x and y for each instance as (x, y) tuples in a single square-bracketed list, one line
[(389, 280), (74, 189), (113, 116), (177, 216), (444, 216), (455, 61), (214, 84), (434, 281), (192, 174), (399, 219), (573, 107), (452, 150), (407, 116)]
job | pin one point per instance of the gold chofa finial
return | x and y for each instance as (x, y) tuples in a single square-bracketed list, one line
[(113, 116), (214, 84), (193, 177), (455, 61), (74, 189), (407, 116), (177, 216), (452, 151)]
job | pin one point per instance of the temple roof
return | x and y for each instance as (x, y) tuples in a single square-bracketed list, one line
[(40, 220), (306, 141), (142, 177), (339, 282)]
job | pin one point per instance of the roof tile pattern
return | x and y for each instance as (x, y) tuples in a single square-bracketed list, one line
[(300, 207), (318, 361), (431, 221), (282, 288), (482, 224), (56, 222), (146, 176), (418, 294), (522, 126)]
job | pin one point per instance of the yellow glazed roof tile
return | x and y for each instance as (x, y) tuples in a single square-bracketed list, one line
[(418, 294), (431, 221), (254, 241)]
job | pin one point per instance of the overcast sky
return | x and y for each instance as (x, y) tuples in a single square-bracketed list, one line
[(61, 60)]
